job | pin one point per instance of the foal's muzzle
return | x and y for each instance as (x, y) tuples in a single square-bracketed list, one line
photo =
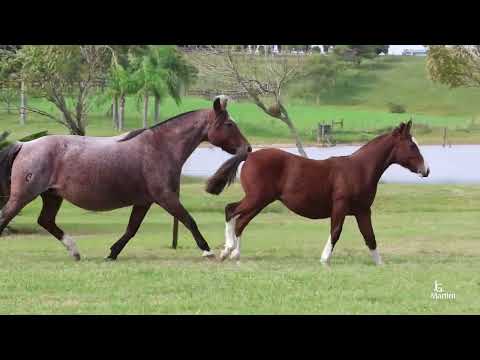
[(424, 171)]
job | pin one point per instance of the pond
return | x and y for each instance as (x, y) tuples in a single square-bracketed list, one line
[(457, 164)]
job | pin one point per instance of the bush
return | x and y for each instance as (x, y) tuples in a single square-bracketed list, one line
[(396, 108)]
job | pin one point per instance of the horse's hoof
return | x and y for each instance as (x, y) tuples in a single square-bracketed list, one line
[(108, 258), (76, 257), (208, 254)]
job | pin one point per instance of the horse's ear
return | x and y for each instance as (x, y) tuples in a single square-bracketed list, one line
[(399, 129), (220, 104)]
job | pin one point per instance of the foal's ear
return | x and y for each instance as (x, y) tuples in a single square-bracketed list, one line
[(220, 104), (408, 127)]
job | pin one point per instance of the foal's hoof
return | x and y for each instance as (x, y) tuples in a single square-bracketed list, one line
[(108, 258), (224, 254), (325, 264), (76, 257), (235, 256)]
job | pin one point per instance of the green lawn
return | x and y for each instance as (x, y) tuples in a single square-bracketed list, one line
[(425, 233), (360, 124)]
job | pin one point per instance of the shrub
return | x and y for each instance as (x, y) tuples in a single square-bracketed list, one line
[(396, 108)]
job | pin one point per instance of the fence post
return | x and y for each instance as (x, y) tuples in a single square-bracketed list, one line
[(444, 136), (175, 233), (175, 229)]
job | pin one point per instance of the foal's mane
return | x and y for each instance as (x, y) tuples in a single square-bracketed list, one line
[(136, 132), (372, 142)]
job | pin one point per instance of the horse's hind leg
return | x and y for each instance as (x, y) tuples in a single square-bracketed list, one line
[(46, 219), (136, 218), (12, 208)]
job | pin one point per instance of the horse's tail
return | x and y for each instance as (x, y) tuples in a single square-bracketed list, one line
[(7, 156), (226, 174)]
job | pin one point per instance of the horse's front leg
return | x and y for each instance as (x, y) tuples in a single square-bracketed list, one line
[(336, 224), (170, 201), (364, 221), (136, 218)]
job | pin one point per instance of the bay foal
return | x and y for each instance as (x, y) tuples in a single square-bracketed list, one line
[(316, 189)]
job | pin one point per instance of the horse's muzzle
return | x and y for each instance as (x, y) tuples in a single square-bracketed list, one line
[(246, 148)]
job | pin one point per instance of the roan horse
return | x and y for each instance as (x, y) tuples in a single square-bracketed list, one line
[(100, 174), (316, 189)]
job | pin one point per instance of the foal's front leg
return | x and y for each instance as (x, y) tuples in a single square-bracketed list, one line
[(336, 224), (364, 221)]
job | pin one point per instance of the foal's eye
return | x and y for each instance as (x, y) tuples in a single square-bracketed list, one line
[(228, 124)]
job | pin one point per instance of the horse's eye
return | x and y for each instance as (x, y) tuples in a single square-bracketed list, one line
[(228, 124), (412, 146)]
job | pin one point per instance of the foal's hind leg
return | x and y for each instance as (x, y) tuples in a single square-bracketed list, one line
[(231, 239), (136, 218), (51, 205), (240, 216)]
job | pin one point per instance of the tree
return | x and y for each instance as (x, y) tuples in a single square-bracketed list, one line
[(180, 74), (66, 76), (262, 79), (320, 74), (123, 78), (358, 53), (9, 96), (9, 91), (454, 66), (382, 49), (162, 72)]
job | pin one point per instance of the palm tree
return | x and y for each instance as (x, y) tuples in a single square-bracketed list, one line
[(165, 72), (123, 79)]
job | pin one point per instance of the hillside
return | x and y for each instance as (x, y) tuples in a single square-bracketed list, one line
[(402, 80)]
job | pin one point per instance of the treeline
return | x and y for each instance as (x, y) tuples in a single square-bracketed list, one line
[(72, 76)]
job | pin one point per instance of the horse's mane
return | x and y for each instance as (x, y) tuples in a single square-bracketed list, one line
[(136, 132)]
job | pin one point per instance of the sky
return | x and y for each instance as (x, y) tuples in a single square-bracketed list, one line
[(397, 49)]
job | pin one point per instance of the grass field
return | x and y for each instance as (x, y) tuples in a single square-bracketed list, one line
[(425, 233), (360, 124)]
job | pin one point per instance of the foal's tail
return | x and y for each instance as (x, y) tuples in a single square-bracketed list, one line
[(7, 156), (226, 174)]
